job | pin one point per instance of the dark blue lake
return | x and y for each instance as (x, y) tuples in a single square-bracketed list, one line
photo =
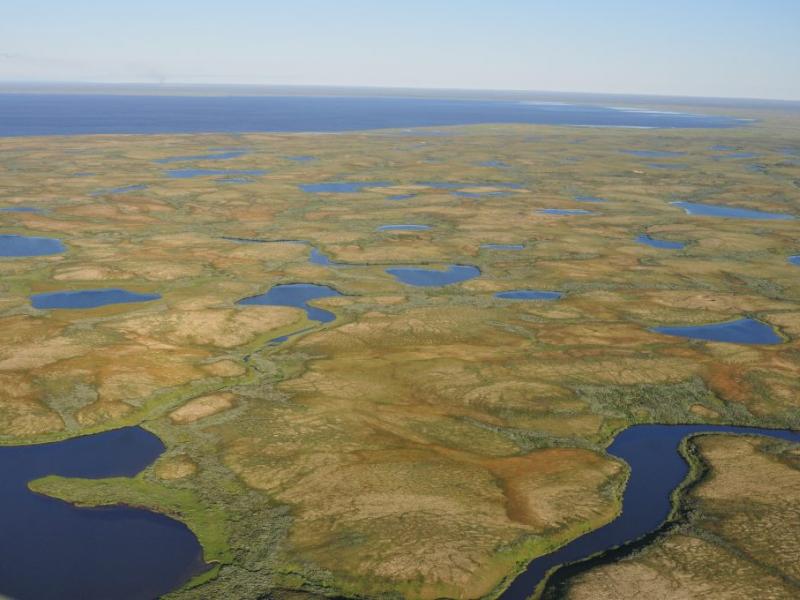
[(21, 245), (72, 114), (297, 295), (528, 295), (342, 187), (88, 298), (657, 468), (715, 210), (53, 550), (433, 277), (404, 228), (563, 211), (190, 173), (226, 155), (660, 244), (317, 257), (503, 246), (741, 331), (795, 260)]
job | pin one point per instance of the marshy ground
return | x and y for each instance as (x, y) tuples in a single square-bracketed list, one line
[(430, 440)]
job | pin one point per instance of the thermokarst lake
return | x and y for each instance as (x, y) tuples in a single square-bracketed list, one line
[(413, 348)]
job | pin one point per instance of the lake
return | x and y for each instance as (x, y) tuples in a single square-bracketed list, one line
[(225, 155), (657, 468), (528, 295), (660, 244), (563, 211), (88, 298), (297, 295), (61, 551), (503, 246), (741, 331), (404, 228), (341, 187), (420, 277), (21, 245), (75, 114), (191, 173), (716, 210)]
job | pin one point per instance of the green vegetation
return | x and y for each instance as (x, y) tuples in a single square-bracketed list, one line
[(429, 441)]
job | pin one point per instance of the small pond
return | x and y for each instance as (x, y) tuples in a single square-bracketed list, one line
[(503, 246), (741, 331), (420, 277), (88, 298), (21, 245), (654, 153), (342, 187), (660, 244), (715, 210), (563, 211), (297, 295), (190, 173), (528, 295), (402, 227)]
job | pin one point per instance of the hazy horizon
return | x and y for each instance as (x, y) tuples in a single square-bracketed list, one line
[(709, 49)]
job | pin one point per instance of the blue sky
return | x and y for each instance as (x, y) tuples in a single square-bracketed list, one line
[(738, 48)]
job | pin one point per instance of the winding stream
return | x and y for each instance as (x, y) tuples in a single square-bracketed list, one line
[(54, 550), (657, 468)]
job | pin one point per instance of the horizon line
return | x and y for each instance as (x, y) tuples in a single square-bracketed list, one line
[(220, 87)]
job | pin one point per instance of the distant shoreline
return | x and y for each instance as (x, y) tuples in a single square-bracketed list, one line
[(189, 89)]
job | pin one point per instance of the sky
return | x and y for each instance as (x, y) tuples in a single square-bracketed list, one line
[(720, 48)]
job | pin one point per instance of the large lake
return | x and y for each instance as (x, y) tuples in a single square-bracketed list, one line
[(73, 114)]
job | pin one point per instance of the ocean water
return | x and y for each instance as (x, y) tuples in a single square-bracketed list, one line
[(75, 114)]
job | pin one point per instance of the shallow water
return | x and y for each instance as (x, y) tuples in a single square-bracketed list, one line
[(795, 260), (297, 295), (342, 187), (434, 278), (21, 209), (590, 199), (494, 164), (54, 550), (657, 469), (741, 331), (124, 189), (301, 158), (493, 194), (654, 153), (73, 114), (88, 298), (669, 166), (401, 196), (528, 295), (317, 257), (20, 245), (563, 211), (715, 210), (660, 244), (190, 173), (403, 228), (503, 246)]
